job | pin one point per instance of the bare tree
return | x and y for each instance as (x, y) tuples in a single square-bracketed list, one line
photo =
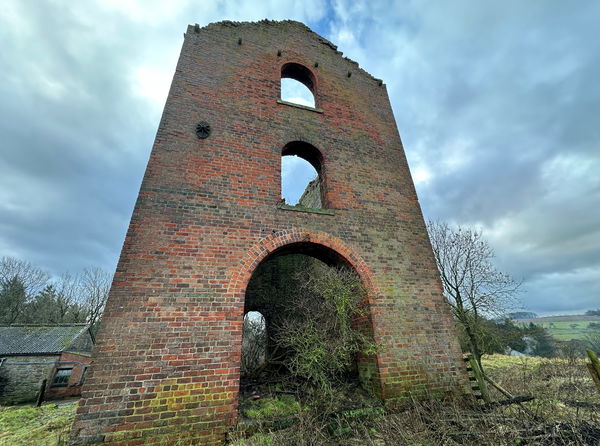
[(33, 278), (19, 282), (473, 286), (67, 297), (95, 285)]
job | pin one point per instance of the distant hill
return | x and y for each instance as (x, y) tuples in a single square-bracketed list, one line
[(570, 318), (565, 328)]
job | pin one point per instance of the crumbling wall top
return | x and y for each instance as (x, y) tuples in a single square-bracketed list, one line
[(279, 23)]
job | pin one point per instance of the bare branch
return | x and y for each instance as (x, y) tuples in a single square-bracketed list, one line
[(472, 285)]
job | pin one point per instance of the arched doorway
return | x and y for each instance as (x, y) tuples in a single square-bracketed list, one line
[(284, 289)]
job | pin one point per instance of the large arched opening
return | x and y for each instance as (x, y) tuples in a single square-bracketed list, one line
[(276, 304)]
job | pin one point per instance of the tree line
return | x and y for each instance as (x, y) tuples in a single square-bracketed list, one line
[(29, 295)]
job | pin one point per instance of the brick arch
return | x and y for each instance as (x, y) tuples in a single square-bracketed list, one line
[(260, 251), (301, 72)]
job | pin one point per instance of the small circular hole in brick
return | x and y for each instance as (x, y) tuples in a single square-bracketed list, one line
[(203, 130)]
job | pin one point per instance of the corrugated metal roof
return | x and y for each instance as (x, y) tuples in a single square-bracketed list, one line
[(36, 339)]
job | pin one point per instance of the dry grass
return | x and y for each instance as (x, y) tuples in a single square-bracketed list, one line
[(552, 418), (48, 425)]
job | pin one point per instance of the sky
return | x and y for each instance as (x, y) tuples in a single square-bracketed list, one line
[(497, 104)]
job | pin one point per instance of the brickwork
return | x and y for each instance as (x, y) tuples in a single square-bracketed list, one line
[(167, 355), (311, 197)]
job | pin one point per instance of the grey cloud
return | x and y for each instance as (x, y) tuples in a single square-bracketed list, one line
[(76, 129), (489, 98), (498, 101)]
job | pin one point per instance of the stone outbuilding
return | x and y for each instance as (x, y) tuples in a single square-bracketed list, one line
[(30, 354)]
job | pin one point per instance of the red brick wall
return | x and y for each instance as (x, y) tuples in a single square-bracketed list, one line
[(167, 355)]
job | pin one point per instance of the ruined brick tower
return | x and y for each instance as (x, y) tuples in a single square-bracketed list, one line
[(209, 212)]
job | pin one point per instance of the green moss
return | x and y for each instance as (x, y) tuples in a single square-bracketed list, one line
[(272, 407)]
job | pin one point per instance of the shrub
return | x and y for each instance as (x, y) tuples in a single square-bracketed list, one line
[(317, 332)]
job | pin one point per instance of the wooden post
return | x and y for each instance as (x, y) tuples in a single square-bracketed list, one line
[(594, 368), (40, 398)]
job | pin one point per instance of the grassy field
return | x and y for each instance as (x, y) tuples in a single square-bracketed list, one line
[(565, 411), (565, 330), (48, 425)]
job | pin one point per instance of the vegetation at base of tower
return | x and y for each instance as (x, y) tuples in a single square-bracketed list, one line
[(552, 418), (311, 311), (28, 295), (334, 419), (317, 333), (472, 285), (264, 408)]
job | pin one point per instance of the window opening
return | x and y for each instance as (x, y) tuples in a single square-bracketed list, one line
[(297, 85), (299, 182), (296, 93), (61, 377), (301, 176)]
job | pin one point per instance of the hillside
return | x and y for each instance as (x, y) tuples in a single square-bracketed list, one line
[(565, 328)]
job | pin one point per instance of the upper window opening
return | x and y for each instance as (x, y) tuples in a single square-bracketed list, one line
[(301, 176), (297, 85)]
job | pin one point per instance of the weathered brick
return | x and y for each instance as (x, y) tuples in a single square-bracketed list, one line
[(207, 215)]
